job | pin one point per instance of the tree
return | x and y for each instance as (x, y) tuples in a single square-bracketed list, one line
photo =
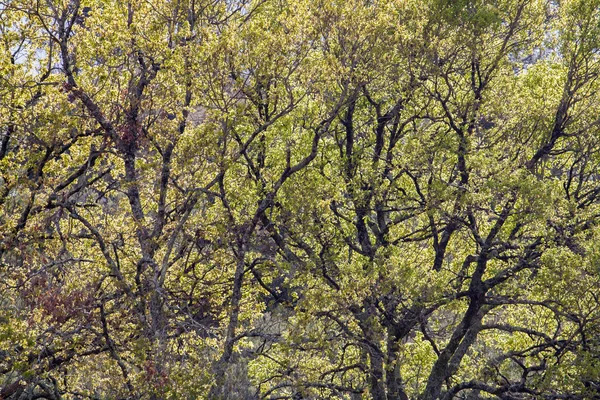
[(272, 199)]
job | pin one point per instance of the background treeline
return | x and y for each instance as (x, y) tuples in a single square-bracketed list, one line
[(299, 199)]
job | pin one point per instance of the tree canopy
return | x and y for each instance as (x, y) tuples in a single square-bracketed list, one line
[(299, 199)]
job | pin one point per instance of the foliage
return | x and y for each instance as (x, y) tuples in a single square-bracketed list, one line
[(386, 199)]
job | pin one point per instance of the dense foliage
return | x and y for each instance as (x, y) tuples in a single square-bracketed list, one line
[(299, 199)]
